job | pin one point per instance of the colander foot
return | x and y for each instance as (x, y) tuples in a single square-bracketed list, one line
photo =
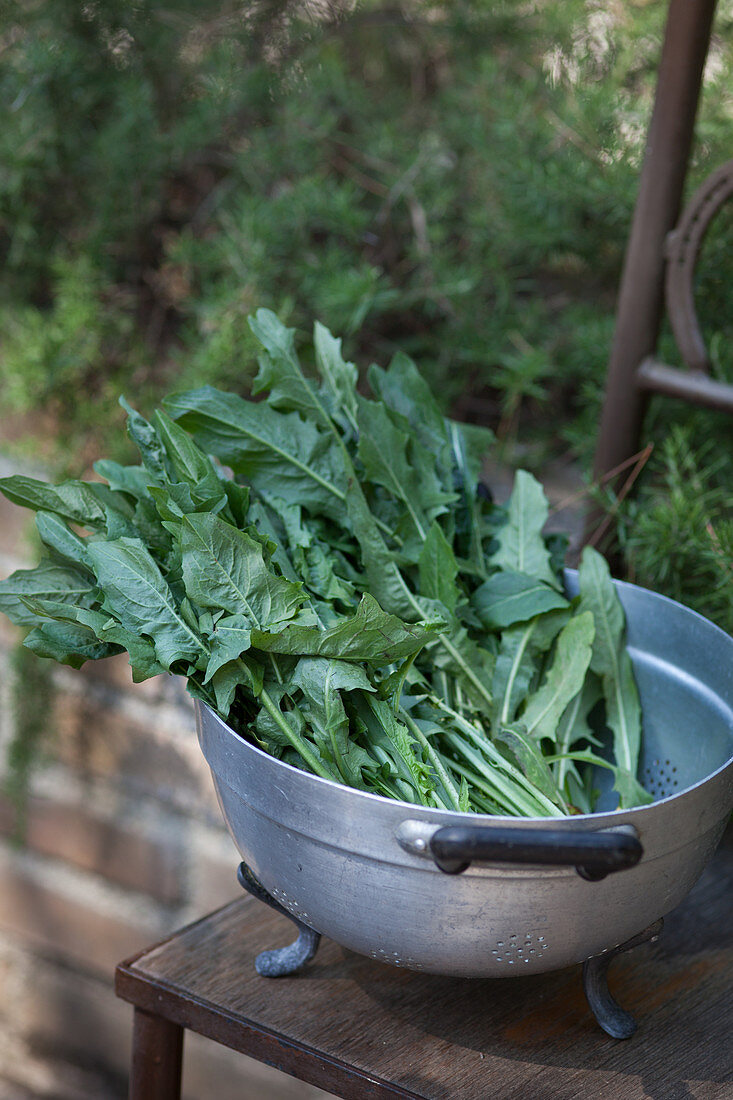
[(615, 1020), (282, 960)]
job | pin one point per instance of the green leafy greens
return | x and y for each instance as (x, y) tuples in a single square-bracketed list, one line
[(323, 569)]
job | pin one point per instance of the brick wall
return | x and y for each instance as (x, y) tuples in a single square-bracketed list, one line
[(123, 844)]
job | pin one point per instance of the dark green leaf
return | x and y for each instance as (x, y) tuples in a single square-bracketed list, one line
[(276, 452), (72, 500), (507, 598), (321, 682), (392, 459), (127, 479), (513, 672), (610, 658), (280, 372), (60, 540), (403, 390), (339, 378), (370, 634), (146, 439), (225, 568), (49, 581), (564, 678), (68, 643), (390, 735), (438, 569), (228, 640), (530, 759), (521, 547), (187, 462), (136, 592)]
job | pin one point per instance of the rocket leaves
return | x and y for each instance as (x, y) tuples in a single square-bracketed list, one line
[(325, 570)]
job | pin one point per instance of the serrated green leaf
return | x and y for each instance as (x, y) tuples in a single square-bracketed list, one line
[(177, 499), (280, 372), (468, 448), (68, 643), (521, 547), (321, 578), (106, 630), (339, 378), (228, 678), (276, 452), (145, 437), (133, 480), (438, 569), (187, 462), (138, 595), (229, 639), (238, 498), (404, 390), (321, 682), (269, 526), (317, 676), (49, 580), (226, 568), (391, 458), (143, 661), (370, 634), (75, 501), (383, 578), (60, 540)]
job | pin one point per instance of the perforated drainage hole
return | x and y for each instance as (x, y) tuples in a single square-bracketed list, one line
[(660, 778), (524, 949), (291, 906), (395, 959)]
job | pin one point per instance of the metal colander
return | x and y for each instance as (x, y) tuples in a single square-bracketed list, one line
[(364, 870)]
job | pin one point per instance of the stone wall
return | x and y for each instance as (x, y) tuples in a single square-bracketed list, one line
[(123, 843)]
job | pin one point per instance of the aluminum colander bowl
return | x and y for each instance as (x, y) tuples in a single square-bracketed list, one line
[(362, 869)]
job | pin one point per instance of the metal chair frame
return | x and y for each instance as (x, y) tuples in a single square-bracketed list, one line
[(662, 252)]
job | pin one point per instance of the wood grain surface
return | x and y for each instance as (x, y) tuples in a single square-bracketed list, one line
[(363, 1030)]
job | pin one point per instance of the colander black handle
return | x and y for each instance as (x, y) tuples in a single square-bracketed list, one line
[(594, 854)]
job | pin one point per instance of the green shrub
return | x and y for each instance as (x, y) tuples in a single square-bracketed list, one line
[(678, 532), (453, 179)]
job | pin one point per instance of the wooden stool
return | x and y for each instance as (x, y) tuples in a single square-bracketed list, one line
[(362, 1029)]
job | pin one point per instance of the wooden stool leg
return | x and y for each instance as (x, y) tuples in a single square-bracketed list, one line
[(157, 1055)]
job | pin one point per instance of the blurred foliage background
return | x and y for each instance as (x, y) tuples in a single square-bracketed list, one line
[(448, 178)]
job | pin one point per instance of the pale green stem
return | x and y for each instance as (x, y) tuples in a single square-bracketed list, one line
[(295, 740), (485, 746), (495, 783), (433, 756)]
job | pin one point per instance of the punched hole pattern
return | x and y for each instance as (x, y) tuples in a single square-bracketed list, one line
[(292, 906), (520, 950), (395, 959), (660, 778)]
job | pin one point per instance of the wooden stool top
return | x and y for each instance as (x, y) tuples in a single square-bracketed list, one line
[(364, 1030)]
